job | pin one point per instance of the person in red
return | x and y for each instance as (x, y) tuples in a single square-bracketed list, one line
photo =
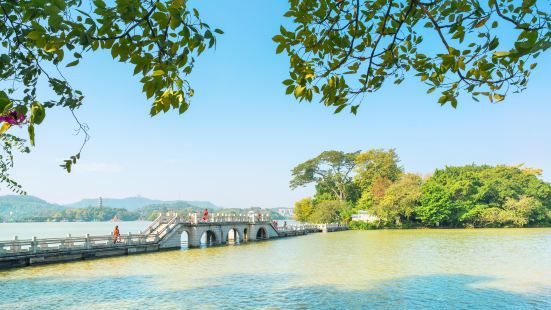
[(205, 215)]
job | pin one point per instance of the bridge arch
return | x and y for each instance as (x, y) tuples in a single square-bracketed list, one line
[(184, 240), (209, 238), (233, 236), (261, 233)]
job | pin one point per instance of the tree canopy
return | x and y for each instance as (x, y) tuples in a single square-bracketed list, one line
[(342, 50), (374, 164), (338, 51), (159, 38), (484, 196), (465, 196), (331, 170)]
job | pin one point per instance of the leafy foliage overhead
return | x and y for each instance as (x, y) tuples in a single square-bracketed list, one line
[(159, 38), (342, 50)]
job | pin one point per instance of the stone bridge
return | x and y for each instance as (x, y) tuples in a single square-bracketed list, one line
[(171, 230), (168, 231)]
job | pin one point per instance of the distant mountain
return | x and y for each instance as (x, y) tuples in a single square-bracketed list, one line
[(135, 203), (199, 204), (15, 207), (130, 203)]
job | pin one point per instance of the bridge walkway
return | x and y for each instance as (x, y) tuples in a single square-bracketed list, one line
[(165, 232)]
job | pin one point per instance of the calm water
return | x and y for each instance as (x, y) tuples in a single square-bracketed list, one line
[(410, 269), (61, 229)]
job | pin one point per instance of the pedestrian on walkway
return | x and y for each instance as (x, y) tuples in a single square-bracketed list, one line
[(116, 234)]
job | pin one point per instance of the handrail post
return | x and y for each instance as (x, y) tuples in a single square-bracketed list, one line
[(69, 243), (87, 242), (14, 246), (34, 245)]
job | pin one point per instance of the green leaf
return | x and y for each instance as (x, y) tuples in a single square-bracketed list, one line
[(298, 91), (60, 4), (219, 31), (99, 4), (501, 54), (498, 97), (158, 73), (73, 63), (4, 101), (183, 107), (280, 48), (481, 22), (337, 110), (31, 133), (38, 113), (278, 38)]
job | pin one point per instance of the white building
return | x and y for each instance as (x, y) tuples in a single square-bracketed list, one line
[(364, 216)]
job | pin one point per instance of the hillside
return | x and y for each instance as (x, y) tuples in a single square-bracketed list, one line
[(130, 203), (16, 208), (135, 203)]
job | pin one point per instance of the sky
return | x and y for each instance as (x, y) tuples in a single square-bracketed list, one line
[(242, 135)]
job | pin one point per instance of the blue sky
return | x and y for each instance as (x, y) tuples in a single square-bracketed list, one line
[(241, 137)]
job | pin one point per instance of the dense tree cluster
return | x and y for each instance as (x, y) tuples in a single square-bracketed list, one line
[(94, 214), (38, 213), (467, 196)]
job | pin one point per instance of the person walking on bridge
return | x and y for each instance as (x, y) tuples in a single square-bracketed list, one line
[(116, 234), (205, 215)]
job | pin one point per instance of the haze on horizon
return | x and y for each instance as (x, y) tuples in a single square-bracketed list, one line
[(241, 136)]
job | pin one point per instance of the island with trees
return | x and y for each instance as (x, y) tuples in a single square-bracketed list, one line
[(454, 197)]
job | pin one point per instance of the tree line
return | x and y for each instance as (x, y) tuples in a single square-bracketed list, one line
[(464, 196), (148, 213)]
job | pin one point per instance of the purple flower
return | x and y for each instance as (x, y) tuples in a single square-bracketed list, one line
[(13, 118)]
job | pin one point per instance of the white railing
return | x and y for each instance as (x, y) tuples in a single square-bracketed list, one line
[(34, 245), (153, 225), (167, 228), (301, 227), (196, 218), (311, 227)]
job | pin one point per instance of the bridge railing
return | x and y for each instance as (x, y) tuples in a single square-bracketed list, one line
[(168, 226), (311, 227), (35, 245), (299, 227), (153, 225), (196, 218), (331, 226)]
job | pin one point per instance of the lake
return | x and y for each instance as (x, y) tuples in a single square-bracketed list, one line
[(385, 269), (61, 229)]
